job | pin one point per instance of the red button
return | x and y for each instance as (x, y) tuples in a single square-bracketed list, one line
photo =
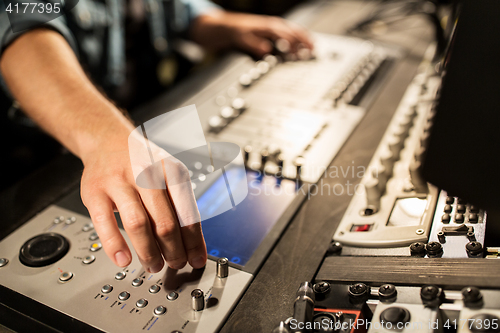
[(365, 227)]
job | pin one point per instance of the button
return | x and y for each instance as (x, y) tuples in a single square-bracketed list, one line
[(447, 209), (66, 276), (172, 296), (154, 289), (95, 247), (93, 236), (106, 289), (3, 261), (445, 218), (361, 228), (142, 303), (459, 218), (473, 218), (450, 200), (120, 275), (159, 310), (87, 227), (137, 282), (58, 219), (460, 209), (474, 209), (70, 220), (123, 296), (395, 315), (88, 260)]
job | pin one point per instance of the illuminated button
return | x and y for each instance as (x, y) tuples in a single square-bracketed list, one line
[(154, 289), (447, 209), (93, 236), (87, 227), (459, 218), (137, 282), (361, 228), (70, 220), (66, 276), (88, 260), (172, 296), (159, 310), (460, 209), (123, 296), (445, 218), (3, 261), (120, 275), (106, 289), (95, 247), (142, 303)]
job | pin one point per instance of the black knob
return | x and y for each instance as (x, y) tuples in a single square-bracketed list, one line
[(471, 295), (43, 250), (387, 291), (474, 248), (417, 249), (434, 249), (395, 315)]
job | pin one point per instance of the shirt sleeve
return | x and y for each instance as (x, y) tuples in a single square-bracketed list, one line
[(199, 7), (7, 36)]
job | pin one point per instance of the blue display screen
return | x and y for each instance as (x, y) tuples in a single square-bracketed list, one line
[(237, 233)]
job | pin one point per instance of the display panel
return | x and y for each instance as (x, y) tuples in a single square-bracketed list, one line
[(237, 233)]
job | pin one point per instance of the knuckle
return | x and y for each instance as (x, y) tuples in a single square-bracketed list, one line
[(111, 242), (99, 219), (147, 257), (136, 222), (164, 229)]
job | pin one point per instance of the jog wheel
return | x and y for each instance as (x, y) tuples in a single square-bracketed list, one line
[(43, 250)]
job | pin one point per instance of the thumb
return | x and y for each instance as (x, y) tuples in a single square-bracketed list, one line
[(254, 44)]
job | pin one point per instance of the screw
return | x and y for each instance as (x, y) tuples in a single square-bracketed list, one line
[(334, 248), (471, 295), (431, 295), (474, 248), (417, 249), (387, 291), (321, 287), (434, 249), (358, 290)]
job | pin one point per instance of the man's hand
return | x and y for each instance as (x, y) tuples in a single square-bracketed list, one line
[(46, 79), (251, 33)]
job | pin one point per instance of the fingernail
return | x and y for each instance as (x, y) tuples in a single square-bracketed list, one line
[(181, 266), (156, 268), (198, 262), (122, 259)]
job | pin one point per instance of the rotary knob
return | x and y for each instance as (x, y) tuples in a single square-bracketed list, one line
[(222, 268), (197, 300), (239, 104), (387, 161), (216, 124)]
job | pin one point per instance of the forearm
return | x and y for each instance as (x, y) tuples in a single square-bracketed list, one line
[(46, 79)]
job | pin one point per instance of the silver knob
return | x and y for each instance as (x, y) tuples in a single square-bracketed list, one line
[(239, 104), (380, 173), (216, 123), (197, 300), (245, 80), (222, 268), (229, 113), (387, 161)]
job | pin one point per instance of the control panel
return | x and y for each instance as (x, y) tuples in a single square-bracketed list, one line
[(60, 263)]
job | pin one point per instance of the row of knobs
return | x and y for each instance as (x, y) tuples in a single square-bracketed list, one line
[(347, 87), (271, 161), (227, 114), (382, 171), (197, 295)]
